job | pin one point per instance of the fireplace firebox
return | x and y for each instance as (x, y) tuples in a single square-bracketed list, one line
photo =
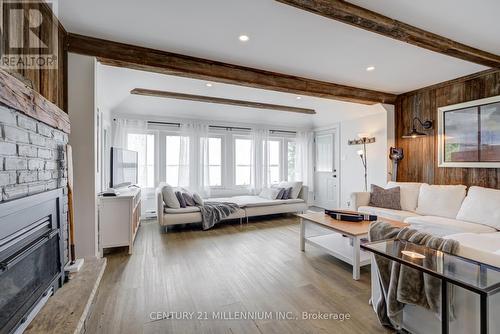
[(31, 257)]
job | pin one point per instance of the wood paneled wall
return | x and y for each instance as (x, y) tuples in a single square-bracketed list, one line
[(51, 83), (420, 162)]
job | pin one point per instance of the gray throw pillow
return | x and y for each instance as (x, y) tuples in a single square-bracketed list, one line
[(169, 197), (385, 198), (197, 199), (181, 200), (281, 192), (288, 193), (188, 199)]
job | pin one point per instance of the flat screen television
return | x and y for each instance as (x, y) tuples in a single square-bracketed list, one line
[(123, 167)]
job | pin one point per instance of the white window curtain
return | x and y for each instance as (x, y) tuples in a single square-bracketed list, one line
[(260, 160), (122, 127), (133, 135), (194, 153), (184, 156), (304, 158)]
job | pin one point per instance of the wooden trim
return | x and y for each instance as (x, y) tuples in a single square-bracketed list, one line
[(48, 8), (140, 58), (16, 95), (374, 22), (218, 100)]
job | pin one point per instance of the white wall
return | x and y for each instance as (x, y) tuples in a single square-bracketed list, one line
[(379, 125), (104, 130), (82, 111), (105, 151), (391, 133)]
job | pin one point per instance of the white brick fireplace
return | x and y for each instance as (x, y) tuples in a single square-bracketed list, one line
[(32, 160)]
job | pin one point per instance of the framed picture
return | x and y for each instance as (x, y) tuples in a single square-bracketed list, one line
[(469, 134)]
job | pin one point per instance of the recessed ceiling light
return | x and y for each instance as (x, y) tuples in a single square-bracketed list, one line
[(299, 97), (370, 68), (208, 84), (244, 38)]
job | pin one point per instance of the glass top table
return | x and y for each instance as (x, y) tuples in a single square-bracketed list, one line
[(469, 274)]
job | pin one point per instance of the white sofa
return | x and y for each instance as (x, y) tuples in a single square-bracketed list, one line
[(250, 206), (443, 210), (473, 219)]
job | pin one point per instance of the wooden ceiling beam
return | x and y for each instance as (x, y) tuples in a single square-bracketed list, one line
[(140, 58), (360, 17), (218, 100)]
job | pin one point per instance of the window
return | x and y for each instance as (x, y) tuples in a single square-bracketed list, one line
[(324, 153), (291, 154), (144, 145), (461, 128), (468, 134), (215, 161), (243, 161), (177, 160), (490, 127), (168, 156), (274, 171)]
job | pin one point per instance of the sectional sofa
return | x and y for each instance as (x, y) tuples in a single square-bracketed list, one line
[(472, 218), (250, 206)]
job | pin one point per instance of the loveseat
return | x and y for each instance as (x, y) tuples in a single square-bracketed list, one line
[(472, 218), (250, 206)]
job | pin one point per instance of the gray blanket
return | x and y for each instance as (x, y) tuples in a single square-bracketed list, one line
[(213, 212), (401, 285)]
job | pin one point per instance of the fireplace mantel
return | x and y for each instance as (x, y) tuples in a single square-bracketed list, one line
[(16, 95)]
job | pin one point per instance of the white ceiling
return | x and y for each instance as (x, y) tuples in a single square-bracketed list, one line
[(474, 23), (285, 39), (282, 39), (114, 85)]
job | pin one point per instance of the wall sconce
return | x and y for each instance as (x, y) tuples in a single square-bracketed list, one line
[(364, 139), (426, 125)]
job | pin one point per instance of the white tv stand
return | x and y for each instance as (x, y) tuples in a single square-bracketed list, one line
[(119, 219)]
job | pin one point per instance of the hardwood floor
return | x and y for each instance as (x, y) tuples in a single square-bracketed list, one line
[(230, 269)]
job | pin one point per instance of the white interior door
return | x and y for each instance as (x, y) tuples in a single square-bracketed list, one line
[(326, 176)]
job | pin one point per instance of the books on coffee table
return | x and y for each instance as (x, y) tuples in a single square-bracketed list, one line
[(351, 216)]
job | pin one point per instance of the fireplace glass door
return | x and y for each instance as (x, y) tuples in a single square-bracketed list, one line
[(25, 276)]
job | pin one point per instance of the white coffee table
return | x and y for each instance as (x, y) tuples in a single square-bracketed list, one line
[(344, 240)]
